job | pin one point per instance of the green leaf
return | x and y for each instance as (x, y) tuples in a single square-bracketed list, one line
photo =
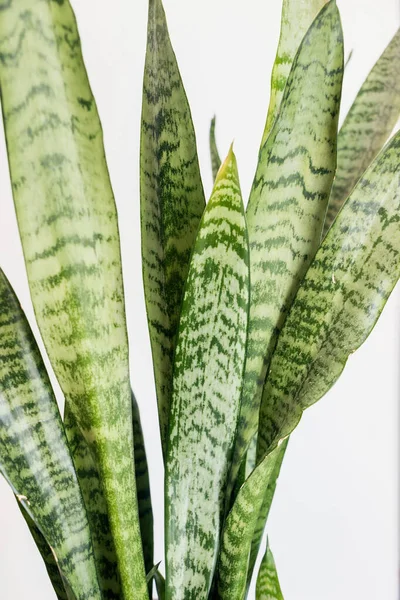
[(288, 201), (160, 585), (367, 126), (297, 17), (215, 158), (208, 373), (268, 587), (68, 226), (239, 530), (340, 299), (172, 200), (34, 456)]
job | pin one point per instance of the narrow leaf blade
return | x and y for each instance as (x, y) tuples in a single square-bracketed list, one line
[(172, 200), (215, 158), (208, 375), (268, 586)]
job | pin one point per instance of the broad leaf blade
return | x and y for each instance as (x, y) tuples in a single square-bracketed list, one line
[(368, 125), (215, 158), (68, 226), (208, 375), (172, 200), (288, 200), (34, 456), (268, 587), (340, 298), (297, 17)]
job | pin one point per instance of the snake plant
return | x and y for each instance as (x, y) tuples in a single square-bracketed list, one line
[(252, 312)]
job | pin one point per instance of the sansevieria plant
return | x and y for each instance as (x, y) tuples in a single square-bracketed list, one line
[(252, 313)]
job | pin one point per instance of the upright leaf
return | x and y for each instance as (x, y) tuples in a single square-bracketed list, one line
[(368, 125), (288, 200), (297, 16), (340, 299), (172, 200), (268, 587), (215, 159), (68, 226), (34, 456), (208, 373)]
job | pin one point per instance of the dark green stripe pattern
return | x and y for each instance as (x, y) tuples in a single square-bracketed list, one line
[(208, 373), (69, 232), (268, 586), (367, 126), (34, 456), (172, 200), (288, 200), (215, 158), (339, 301)]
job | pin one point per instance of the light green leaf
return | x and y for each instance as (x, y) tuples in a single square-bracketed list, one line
[(367, 126), (297, 16), (288, 201), (68, 226), (340, 298), (172, 200), (34, 456), (215, 158), (268, 587), (208, 373), (239, 531)]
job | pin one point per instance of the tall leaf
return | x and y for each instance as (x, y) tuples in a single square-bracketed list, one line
[(268, 587), (68, 226), (208, 375), (288, 200), (34, 456), (215, 158), (172, 200), (367, 126), (340, 298), (297, 16)]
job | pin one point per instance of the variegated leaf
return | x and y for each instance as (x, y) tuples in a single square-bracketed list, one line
[(368, 125), (208, 373), (215, 158), (172, 200), (268, 587)]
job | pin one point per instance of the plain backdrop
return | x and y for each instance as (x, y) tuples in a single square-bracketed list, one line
[(334, 523)]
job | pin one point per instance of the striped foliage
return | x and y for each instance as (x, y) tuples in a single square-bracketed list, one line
[(215, 158), (367, 126), (68, 227), (268, 587), (208, 373), (34, 455), (288, 200), (297, 17), (172, 200), (340, 298)]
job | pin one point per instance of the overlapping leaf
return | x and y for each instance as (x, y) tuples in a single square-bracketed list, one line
[(208, 373), (288, 200), (368, 125), (268, 587), (68, 227), (34, 456), (172, 200)]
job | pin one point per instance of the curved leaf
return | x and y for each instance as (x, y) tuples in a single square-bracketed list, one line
[(288, 200), (68, 226), (208, 373), (215, 158), (340, 298), (268, 587), (172, 200), (297, 17), (34, 456), (368, 125)]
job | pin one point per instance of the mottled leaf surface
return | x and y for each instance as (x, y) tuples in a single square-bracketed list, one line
[(288, 200), (340, 298), (208, 373), (34, 456), (297, 16), (268, 587), (172, 200), (215, 158), (367, 126), (68, 226)]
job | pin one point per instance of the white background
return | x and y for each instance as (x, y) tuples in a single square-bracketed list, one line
[(334, 523)]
